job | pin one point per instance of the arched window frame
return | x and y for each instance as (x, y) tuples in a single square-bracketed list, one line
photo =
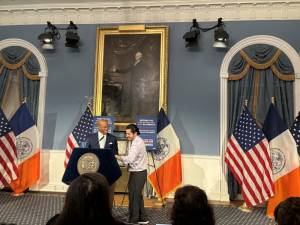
[(257, 39), (42, 74)]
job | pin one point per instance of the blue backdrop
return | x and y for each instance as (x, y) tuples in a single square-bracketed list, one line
[(193, 84)]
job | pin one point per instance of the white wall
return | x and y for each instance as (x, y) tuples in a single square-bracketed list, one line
[(202, 171)]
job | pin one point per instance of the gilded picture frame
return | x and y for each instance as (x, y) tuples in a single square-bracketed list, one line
[(131, 71)]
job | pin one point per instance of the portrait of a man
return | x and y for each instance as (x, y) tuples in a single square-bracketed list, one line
[(131, 72), (131, 76)]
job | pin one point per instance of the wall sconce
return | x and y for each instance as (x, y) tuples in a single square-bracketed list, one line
[(220, 39), (51, 33)]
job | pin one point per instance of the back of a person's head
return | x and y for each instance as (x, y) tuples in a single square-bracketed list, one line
[(191, 207), (288, 212), (87, 201)]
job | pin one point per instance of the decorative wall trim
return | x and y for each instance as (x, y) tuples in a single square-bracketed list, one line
[(257, 39), (152, 11), (43, 75), (202, 171)]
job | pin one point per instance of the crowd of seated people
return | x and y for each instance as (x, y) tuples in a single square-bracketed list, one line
[(87, 202)]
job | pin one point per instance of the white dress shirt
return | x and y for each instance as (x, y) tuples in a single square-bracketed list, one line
[(137, 155), (101, 139)]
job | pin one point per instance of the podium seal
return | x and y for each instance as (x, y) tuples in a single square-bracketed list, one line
[(88, 163)]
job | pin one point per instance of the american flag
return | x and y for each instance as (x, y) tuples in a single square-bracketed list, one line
[(248, 158), (80, 133), (8, 153), (295, 130)]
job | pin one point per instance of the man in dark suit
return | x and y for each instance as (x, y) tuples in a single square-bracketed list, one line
[(104, 140)]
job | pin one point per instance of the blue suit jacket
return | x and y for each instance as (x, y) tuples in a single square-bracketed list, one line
[(110, 143)]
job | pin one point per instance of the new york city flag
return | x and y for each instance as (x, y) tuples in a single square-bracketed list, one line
[(27, 143)]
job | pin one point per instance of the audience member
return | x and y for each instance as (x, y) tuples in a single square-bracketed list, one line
[(191, 207), (87, 202), (288, 212)]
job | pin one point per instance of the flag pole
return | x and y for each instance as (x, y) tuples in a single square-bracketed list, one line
[(244, 207), (160, 199)]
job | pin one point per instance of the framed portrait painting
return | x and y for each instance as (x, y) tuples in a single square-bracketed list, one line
[(131, 72)]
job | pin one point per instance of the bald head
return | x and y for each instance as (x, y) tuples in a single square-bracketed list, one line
[(102, 126), (138, 56)]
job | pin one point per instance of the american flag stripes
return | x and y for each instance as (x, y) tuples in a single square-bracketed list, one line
[(80, 133), (248, 158), (8, 153)]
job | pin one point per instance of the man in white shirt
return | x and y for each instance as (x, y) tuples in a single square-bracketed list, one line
[(137, 162)]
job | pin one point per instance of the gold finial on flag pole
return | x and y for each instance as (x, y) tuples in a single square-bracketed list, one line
[(246, 102), (24, 100)]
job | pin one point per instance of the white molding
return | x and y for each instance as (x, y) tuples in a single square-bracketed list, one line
[(43, 76), (208, 157), (152, 11), (257, 39)]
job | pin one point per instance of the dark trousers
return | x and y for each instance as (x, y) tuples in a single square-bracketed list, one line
[(136, 184)]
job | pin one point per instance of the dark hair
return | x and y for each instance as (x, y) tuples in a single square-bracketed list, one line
[(133, 128), (87, 202), (287, 212), (191, 207)]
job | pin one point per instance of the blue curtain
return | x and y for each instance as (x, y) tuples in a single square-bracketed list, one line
[(3, 79), (258, 73), (18, 58)]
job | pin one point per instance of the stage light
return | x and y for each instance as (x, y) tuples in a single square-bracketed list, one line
[(48, 36), (221, 36), (191, 36), (72, 38), (220, 39), (51, 34)]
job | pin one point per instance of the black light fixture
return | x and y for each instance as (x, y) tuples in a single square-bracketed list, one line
[(48, 36), (72, 38), (221, 36), (191, 36), (51, 33)]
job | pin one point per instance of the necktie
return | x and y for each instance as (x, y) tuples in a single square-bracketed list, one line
[(101, 146)]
